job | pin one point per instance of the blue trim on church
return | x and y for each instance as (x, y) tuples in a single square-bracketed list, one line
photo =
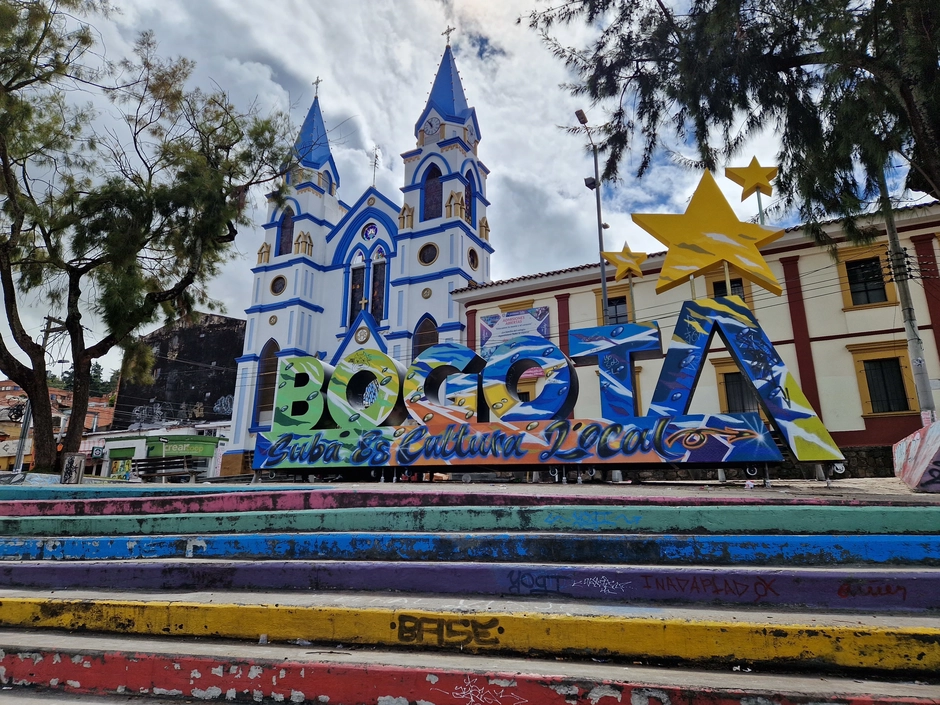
[(453, 271), (280, 305), (287, 264)]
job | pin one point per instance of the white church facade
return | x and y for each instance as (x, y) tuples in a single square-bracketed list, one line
[(332, 277)]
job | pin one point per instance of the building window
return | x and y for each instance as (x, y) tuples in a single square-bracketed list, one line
[(433, 194), (285, 242), (885, 382), (267, 383), (885, 385), (428, 254), (739, 394), (720, 288), (377, 299), (866, 281), (618, 304), (426, 336), (862, 278), (468, 200), (357, 278), (617, 310), (278, 285)]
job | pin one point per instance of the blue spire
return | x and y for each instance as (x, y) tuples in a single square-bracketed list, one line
[(447, 96), (313, 144)]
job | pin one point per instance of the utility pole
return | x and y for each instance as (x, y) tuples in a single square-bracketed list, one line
[(28, 412), (915, 346)]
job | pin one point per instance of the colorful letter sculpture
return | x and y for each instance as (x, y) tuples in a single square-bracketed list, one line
[(917, 459), (449, 393), (780, 396)]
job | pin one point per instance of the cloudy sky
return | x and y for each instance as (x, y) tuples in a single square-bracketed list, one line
[(377, 60)]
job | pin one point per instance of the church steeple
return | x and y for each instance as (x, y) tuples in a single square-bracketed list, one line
[(313, 143), (447, 98)]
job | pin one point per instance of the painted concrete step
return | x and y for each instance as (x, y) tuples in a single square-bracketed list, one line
[(72, 665), (775, 639), (544, 547), (254, 500), (858, 588), (131, 489), (629, 518)]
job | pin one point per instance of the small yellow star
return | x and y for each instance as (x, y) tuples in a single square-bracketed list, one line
[(626, 262), (752, 178), (706, 234)]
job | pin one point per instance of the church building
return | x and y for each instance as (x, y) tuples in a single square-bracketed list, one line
[(334, 276)]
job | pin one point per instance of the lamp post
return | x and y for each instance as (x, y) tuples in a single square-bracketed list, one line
[(594, 183)]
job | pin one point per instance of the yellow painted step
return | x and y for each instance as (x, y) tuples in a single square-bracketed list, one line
[(885, 643)]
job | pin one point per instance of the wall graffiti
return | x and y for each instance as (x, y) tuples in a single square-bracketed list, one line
[(472, 692), (439, 631), (527, 583), (759, 588)]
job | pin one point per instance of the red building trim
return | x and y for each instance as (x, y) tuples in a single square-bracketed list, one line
[(564, 321), (930, 278), (801, 339), (472, 329), (879, 431)]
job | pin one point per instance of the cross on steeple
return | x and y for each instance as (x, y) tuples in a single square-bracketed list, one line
[(362, 304), (316, 86), (375, 161), (447, 32)]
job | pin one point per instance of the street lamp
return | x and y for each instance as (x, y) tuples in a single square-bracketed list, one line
[(594, 183)]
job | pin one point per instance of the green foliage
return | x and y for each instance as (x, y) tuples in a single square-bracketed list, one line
[(844, 83), (126, 219)]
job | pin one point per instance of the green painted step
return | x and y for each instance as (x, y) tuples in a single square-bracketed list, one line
[(620, 519)]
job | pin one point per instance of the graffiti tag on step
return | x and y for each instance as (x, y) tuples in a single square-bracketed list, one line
[(438, 631)]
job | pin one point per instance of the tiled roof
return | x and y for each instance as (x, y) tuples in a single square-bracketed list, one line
[(540, 275), (652, 255)]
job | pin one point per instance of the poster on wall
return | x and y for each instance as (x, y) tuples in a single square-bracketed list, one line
[(497, 328)]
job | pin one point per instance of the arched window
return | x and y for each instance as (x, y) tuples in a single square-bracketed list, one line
[(357, 282), (426, 336), (468, 199), (377, 299), (267, 383), (433, 193), (285, 242)]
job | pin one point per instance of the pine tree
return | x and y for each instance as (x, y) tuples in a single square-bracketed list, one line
[(135, 218), (845, 85)]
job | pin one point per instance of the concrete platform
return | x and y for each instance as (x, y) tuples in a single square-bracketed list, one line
[(225, 671), (778, 639)]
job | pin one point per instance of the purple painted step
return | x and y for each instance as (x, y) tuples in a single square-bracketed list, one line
[(293, 500), (863, 589)]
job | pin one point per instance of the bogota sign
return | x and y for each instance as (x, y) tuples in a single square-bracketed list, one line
[(453, 408)]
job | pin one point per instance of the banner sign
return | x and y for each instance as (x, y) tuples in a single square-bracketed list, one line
[(497, 328), (453, 407)]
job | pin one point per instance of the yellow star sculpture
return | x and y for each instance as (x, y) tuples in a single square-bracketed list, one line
[(706, 234), (626, 262), (752, 178)]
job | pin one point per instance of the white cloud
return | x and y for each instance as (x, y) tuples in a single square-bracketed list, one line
[(377, 59)]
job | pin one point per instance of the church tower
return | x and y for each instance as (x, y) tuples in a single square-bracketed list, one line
[(284, 312), (333, 277), (444, 214)]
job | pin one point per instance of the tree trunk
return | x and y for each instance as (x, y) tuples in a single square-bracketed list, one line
[(44, 452), (81, 384)]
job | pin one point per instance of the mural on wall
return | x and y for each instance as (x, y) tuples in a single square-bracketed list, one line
[(454, 407)]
